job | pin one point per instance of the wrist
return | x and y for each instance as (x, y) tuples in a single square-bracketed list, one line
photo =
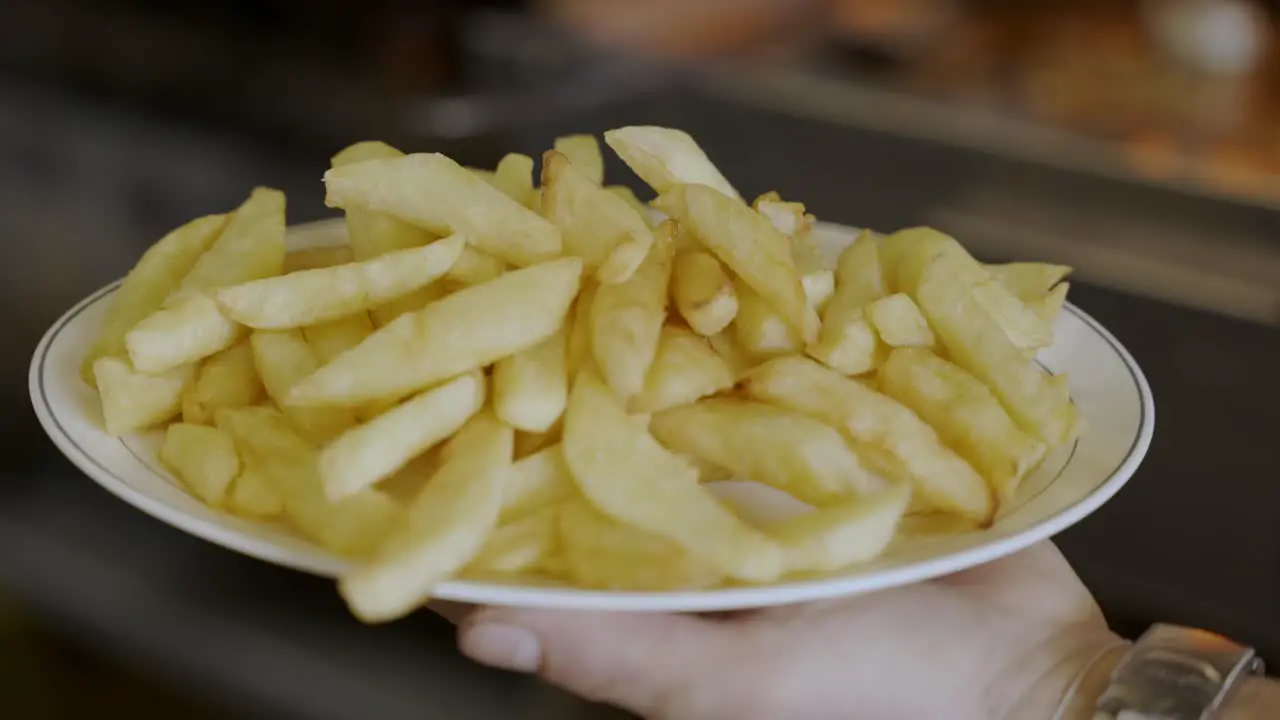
[(1070, 677)]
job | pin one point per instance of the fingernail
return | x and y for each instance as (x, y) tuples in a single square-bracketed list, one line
[(502, 646)]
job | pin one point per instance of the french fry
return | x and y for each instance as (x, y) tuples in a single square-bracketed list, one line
[(684, 369), (282, 358), (404, 484), (602, 553), (330, 339), (584, 152), (252, 496), (267, 441), (578, 342), (789, 218), (967, 416), (132, 400), (225, 379), (203, 457), (846, 341), (789, 451), (665, 158), (1048, 307), (157, 274), (898, 322), (727, 347), (474, 267), (531, 387), (819, 286), (939, 476), (1029, 281), (611, 238), (703, 292), (629, 196), (444, 529), (463, 331), (250, 246), (626, 320), (315, 258), (850, 532), (761, 330), (189, 329), (435, 193), (625, 473), (514, 178), (537, 481), (750, 246), (365, 454), (315, 296), (519, 546)]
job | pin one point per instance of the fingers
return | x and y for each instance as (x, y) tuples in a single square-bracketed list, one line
[(643, 662), (452, 611)]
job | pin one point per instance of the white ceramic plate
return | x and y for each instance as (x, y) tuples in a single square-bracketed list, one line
[(1113, 397)]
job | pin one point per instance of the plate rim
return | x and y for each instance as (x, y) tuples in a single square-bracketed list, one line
[(570, 598)]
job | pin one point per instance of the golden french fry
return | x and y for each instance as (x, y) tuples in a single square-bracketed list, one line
[(330, 339), (252, 496), (1029, 281), (819, 286), (132, 400), (474, 267), (531, 387), (578, 342), (444, 529), (603, 553), (611, 238), (665, 158), (156, 275), (204, 458), (789, 218), (315, 296), (435, 193), (368, 453), (938, 475), (225, 379), (625, 473), (792, 452), (282, 358), (629, 196), (751, 247), (463, 331), (317, 257), (584, 152), (188, 330), (761, 330), (967, 416), (514, 177), (268, 442), (974, 340), (727, 347), (520, 545), (250, 246), (898, 322), (537, 481), (703, 292), (626, 319), (853, 531), (846, 341), (684, 369)]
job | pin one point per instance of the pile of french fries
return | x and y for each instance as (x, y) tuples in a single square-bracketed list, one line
[(499, 379)]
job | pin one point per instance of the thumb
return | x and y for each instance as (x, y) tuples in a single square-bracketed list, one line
[(650, 664)]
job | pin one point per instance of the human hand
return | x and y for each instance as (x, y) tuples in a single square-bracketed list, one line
[(1003, 640)]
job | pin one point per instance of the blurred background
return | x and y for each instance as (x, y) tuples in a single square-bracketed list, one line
[(1137, 140)]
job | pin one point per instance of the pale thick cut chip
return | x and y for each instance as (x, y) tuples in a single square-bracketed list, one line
[(626, 319), (315, 296), (819, 286), (519, 546), (250, 246), (629, 195), (937, 474), (252, 496), (611, 238), (513, 177), (703, 292), (789, 218), (282, 358), (225, 379), (204, 458), (629, 476), (727, 347), (157, 274), (781, 448), (267, 441), (537, 481), (750, 246), (1048, 307), (761, 330), (846, 341), (368, 453), (584, 152), (317, 257), (439, 195), (850, 532), (966, 414), (665, 158), (1038, 403), (188, 330), (132, 400), (460, 332), (528, 443), (899, 323), (684, 370), (578, 343), (1029, 281), (474, 267), (604, 554), (443, 530), (330, 339), (531, 387)]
